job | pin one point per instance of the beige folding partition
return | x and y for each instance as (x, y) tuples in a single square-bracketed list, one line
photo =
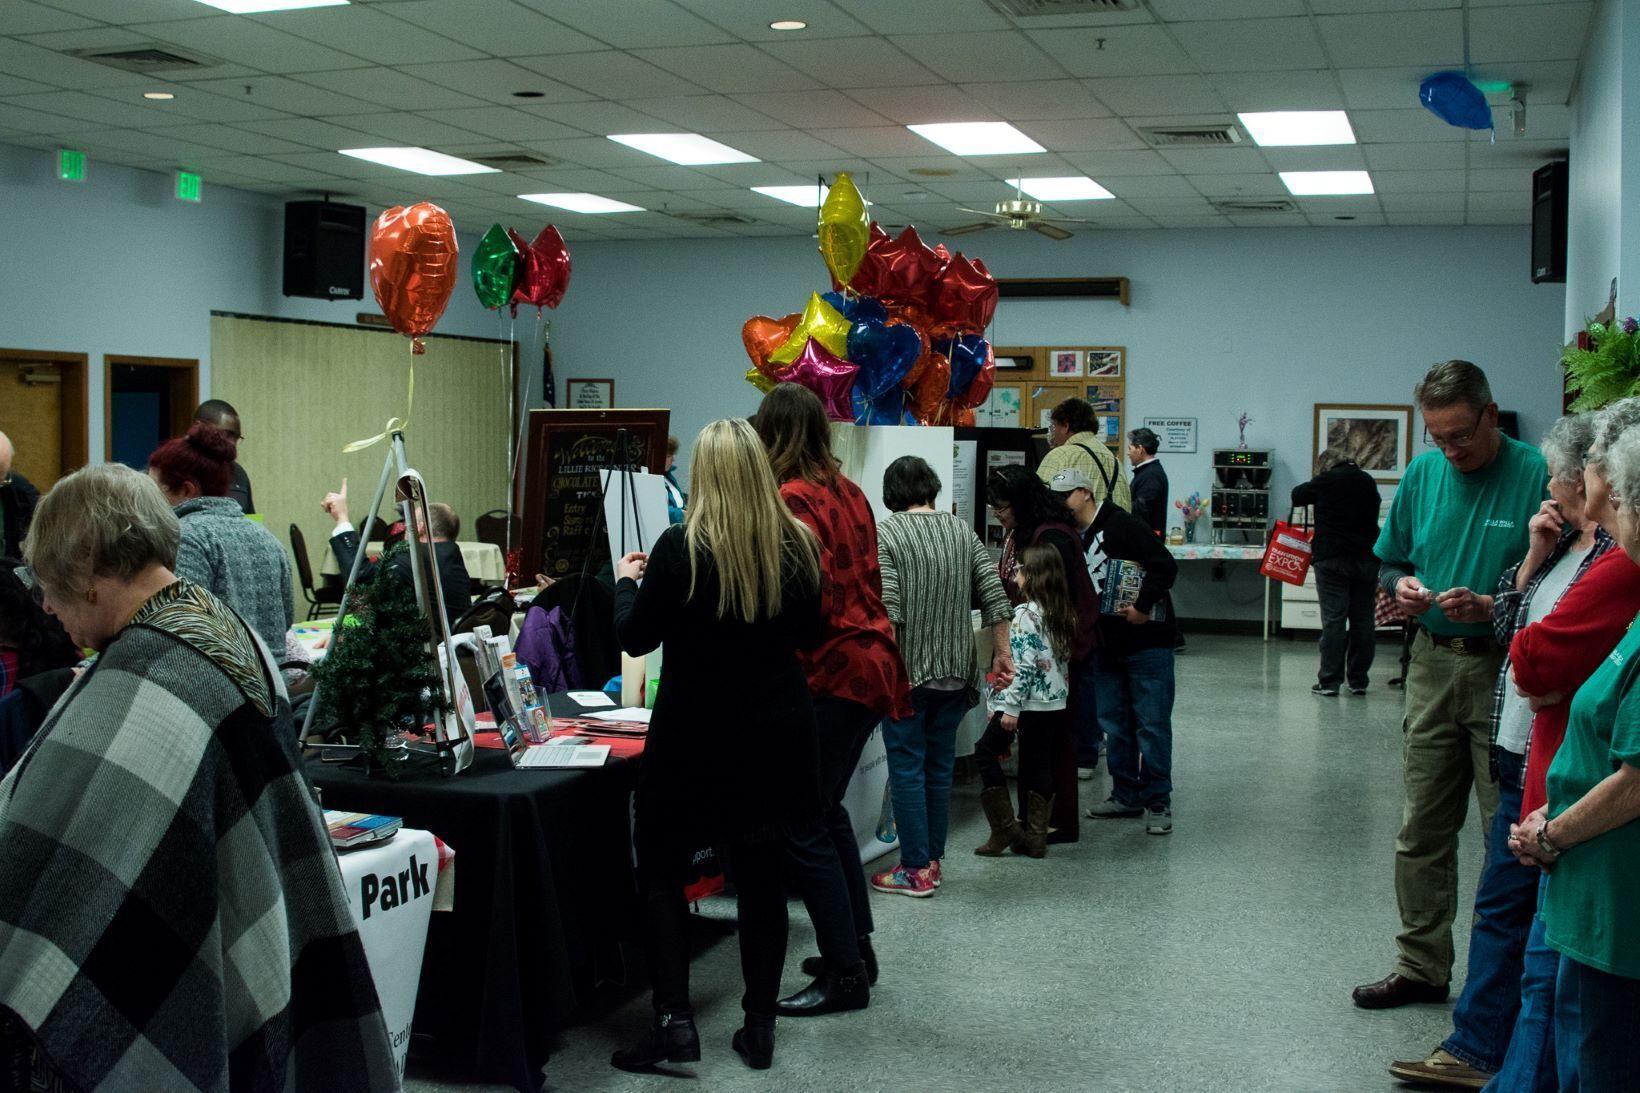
[(304, 390)]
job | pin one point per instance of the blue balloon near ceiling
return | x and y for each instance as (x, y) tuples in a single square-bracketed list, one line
[(1453, 98)]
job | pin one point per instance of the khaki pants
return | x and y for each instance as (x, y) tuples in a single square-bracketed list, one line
[(1444, 752)]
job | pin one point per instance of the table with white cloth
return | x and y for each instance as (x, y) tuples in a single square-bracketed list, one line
[(1227, 552), (484, 561), (390, 887)]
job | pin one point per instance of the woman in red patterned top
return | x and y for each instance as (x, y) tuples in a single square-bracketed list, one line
[(857, 679)]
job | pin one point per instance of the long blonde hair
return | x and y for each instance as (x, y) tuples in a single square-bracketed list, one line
[(737, 516)]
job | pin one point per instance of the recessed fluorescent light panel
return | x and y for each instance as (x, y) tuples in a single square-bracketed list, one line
[(1293, 128), (422, 161), (256, 7), (788, 24), (808, 196), (688, 149), (1073, 188), (1325, 183), (582, 203), (978, 138)]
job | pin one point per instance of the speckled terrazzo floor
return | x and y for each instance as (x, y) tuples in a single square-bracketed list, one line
[(1220, 957)]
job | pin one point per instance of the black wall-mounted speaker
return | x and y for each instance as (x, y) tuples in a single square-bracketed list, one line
[(324, 250), (1549, 223)]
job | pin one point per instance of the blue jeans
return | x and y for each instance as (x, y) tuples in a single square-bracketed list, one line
[(1505, 901), (1529, 1067), (921, 757), (1597, 1029), (1134, 700), (1085, 717)]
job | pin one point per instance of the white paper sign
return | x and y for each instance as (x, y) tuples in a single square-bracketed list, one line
[(1173, 434), (637, 524)]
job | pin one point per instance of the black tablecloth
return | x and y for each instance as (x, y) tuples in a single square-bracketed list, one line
[(543, 880)]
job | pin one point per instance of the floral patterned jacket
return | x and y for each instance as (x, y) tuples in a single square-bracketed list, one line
[(1039, 677)]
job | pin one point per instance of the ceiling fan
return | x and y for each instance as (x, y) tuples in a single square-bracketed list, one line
[(1017, 213)]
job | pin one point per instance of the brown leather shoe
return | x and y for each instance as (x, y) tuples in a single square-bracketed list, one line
[(1395, 990), (1441, 1068)]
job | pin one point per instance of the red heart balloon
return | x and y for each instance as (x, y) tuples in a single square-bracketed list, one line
[(412, 261), (543, 270)]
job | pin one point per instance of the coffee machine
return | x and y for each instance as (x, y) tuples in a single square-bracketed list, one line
[(1241, 493)]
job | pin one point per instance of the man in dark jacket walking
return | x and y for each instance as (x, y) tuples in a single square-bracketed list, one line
[(17, 500), (1345, 502), (1149, 481)]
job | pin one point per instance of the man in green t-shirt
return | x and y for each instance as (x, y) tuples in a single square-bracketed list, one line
[(1458, 520)]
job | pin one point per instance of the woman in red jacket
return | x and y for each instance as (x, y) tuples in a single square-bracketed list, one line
[(857, 679)]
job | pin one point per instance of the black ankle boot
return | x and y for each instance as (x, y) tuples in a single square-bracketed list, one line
[(830, 993), (815, 966), (754, 1042), (672, 1039)]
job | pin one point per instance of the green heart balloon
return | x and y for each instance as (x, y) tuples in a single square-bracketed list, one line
[(495, 267)]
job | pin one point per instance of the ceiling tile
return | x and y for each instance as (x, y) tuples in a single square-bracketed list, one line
[(1151, 187), (411, 129), (1433, 38), (926, 104), (739, 174), (1515, 180), (1339, 203), (866, 62), (1518, 198), (11, 85), (95, 37), (1350, 7), (1216, 161), (749, 19), (26, 120), (1381, 88), (1408, 220), (1401, 126), (342, 166), (634, 24), (1422, 202), (248, 42), (1427, 156), (267, 170), (499, 27), (1104, 164), (877, 142), (1364, 219), (368, 32), (23, 17), (24, 61), (1510, 151), (159, 149), (813, 109), (597, 118), (1270, 220), (1543, 123), (290, 96), (1081, 135), (599, 152), (105, 113), (1312, 89), (122, 11), (195, 103), (707, 113), (1028, 100), (504, 123), (1499, 216), (1252, 45), (391, 88), (1346, 157), (1239, 185), (1115, 51), (729, 68), (915, 16), (494, 81), (1540, 32), (1193, 223), (781, 144), (1415, 182), (610, 75), (671, 177), (952, 170), (1177, 11), (1157, 95), (313, 133), (230, 138), (999, 54)]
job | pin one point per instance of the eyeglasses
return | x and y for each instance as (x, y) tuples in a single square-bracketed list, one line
[(1458, 442)]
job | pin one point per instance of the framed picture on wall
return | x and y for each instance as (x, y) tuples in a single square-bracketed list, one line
[(1064, 362), (1379, 438), (586, 394), (1105, 362)]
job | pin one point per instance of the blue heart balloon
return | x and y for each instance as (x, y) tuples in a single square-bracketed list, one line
[(884, 353), (967, 358), (885, 409), (1453, 98), (857, 309)]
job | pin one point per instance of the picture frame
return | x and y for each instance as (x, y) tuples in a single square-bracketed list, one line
[(1064, 362), (589, 394), (1105, 362), (1378, 437)]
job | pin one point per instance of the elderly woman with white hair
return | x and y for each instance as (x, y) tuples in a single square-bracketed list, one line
[(166, 868), (1586, 836)]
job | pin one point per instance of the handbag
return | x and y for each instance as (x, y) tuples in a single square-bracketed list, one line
[(1287, 554)]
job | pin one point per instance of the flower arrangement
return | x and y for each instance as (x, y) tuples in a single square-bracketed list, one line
[(1192, 508), (1609, 369)]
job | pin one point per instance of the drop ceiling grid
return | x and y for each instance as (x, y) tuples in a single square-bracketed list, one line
[(1201, 67)]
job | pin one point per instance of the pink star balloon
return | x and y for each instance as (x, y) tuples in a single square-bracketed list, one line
[(827, 375)]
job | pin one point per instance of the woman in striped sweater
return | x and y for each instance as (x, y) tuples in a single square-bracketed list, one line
[(934, 569)]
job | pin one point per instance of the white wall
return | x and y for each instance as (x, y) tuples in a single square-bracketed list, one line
[(115, 264), (1594, 208)]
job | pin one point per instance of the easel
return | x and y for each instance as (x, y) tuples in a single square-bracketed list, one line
[(452, 737), (621, 464)]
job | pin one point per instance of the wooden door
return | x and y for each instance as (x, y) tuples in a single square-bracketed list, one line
[(43, 412)]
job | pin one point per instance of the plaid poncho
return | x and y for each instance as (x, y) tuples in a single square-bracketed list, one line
[(171, 914)]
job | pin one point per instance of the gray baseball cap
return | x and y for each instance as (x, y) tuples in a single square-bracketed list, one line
[(1070, 479)]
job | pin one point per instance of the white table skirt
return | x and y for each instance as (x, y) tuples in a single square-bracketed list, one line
[(484, 561)]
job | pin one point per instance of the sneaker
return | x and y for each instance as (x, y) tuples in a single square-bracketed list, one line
[(1441, 1068), (905, 882), (1324, 690), (1354, 690), (1085, 774), (1159, 821), (933, 872), (1112, 809)]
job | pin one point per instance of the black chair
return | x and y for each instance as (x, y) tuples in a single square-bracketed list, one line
[(321, 598), (495, 610), (492, 528)]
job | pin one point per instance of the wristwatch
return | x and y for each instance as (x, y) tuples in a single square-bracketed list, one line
[(1544, 844)]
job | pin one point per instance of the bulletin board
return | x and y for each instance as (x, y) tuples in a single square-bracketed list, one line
[(1032, 380)]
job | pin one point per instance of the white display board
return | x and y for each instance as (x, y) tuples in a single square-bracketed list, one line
[(865, 452), (644, 511)]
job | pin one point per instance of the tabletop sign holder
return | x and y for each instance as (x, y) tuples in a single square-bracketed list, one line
[(452, 744)]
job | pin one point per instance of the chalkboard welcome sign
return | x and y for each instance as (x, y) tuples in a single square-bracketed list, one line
[(567, 450)]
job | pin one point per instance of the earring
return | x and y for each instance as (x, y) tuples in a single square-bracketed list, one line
[(91, 596)]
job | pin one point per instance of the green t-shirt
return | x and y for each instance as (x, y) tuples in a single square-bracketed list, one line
[(1458, 530), (1589, 911)]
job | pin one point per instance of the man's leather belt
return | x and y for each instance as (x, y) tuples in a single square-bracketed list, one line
[(1463, 644)]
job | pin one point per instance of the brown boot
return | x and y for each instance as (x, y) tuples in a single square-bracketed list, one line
[(1037, 810), (1005, 829)]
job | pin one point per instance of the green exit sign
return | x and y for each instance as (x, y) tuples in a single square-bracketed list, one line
[(190, 187), (70, 165)]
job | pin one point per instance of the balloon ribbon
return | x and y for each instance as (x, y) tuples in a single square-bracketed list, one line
[(394, 425)]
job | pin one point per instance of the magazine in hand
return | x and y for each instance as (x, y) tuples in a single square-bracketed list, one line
[(1120, 589)]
